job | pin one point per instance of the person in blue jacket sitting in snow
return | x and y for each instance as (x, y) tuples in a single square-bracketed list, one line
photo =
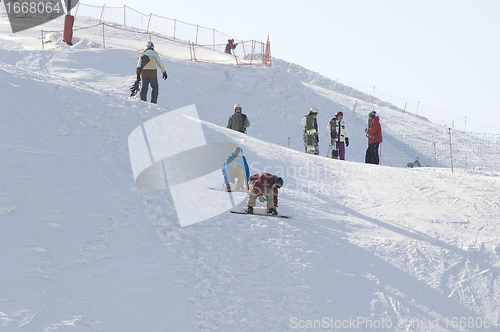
[(236, 167)]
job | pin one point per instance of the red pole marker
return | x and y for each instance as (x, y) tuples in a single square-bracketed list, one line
[(68, 29)]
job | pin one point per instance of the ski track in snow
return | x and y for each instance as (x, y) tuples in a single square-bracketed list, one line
[(85, 249)]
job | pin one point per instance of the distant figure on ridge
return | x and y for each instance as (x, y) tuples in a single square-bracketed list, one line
[(146, 67), (238, 121), (231, 45)]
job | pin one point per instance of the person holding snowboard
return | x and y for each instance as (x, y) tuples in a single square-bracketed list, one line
[(146, 67), (264, 185), (338, 135), (236, 167), (238, 121), (375, 133), (310, 134)]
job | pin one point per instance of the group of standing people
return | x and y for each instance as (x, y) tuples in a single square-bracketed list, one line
[(339, 138)]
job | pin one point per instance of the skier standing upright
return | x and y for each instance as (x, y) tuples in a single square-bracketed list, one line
[(338, 135), (375, 132), (238, 121), (310, 134), (146, 67)]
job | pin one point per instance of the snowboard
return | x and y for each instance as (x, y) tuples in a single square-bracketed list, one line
[(232, 190), (135, 88), (259, 211)]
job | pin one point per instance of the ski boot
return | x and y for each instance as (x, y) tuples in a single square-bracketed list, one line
[(249, 210)]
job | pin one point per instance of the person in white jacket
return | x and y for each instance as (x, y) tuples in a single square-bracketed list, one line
[(338, 135), (146, 67)]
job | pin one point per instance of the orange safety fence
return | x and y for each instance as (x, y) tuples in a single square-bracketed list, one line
[(204, 44)]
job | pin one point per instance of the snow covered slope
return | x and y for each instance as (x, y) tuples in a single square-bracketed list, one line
[(82, 248)]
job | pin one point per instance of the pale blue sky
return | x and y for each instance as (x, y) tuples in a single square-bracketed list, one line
[(443, 53)]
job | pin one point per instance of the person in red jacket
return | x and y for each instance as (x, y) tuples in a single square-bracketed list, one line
[(375, 133), (231, 45), (266, 185)]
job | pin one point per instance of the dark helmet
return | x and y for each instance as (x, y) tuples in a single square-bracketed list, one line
[(337, 114), (278, 182)]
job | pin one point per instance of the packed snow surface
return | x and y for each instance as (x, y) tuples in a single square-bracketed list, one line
[(83, 248)]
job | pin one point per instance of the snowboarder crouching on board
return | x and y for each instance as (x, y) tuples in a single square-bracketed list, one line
[(267, 185), (238, 121), (310, 135), (146, 67), (236, 167), (338, 134)]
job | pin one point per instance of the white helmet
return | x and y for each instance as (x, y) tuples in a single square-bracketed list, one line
[(237, 106), (150, 44)]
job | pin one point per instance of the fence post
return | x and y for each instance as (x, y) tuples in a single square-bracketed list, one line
[(435, 154), (124, 17), (149, 21), (175, 25), (451, 155), (253, 51), (243, 47), (76, 11), (196, 40), (235, 58), (102, 13), (43, 46), (103, 41)]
